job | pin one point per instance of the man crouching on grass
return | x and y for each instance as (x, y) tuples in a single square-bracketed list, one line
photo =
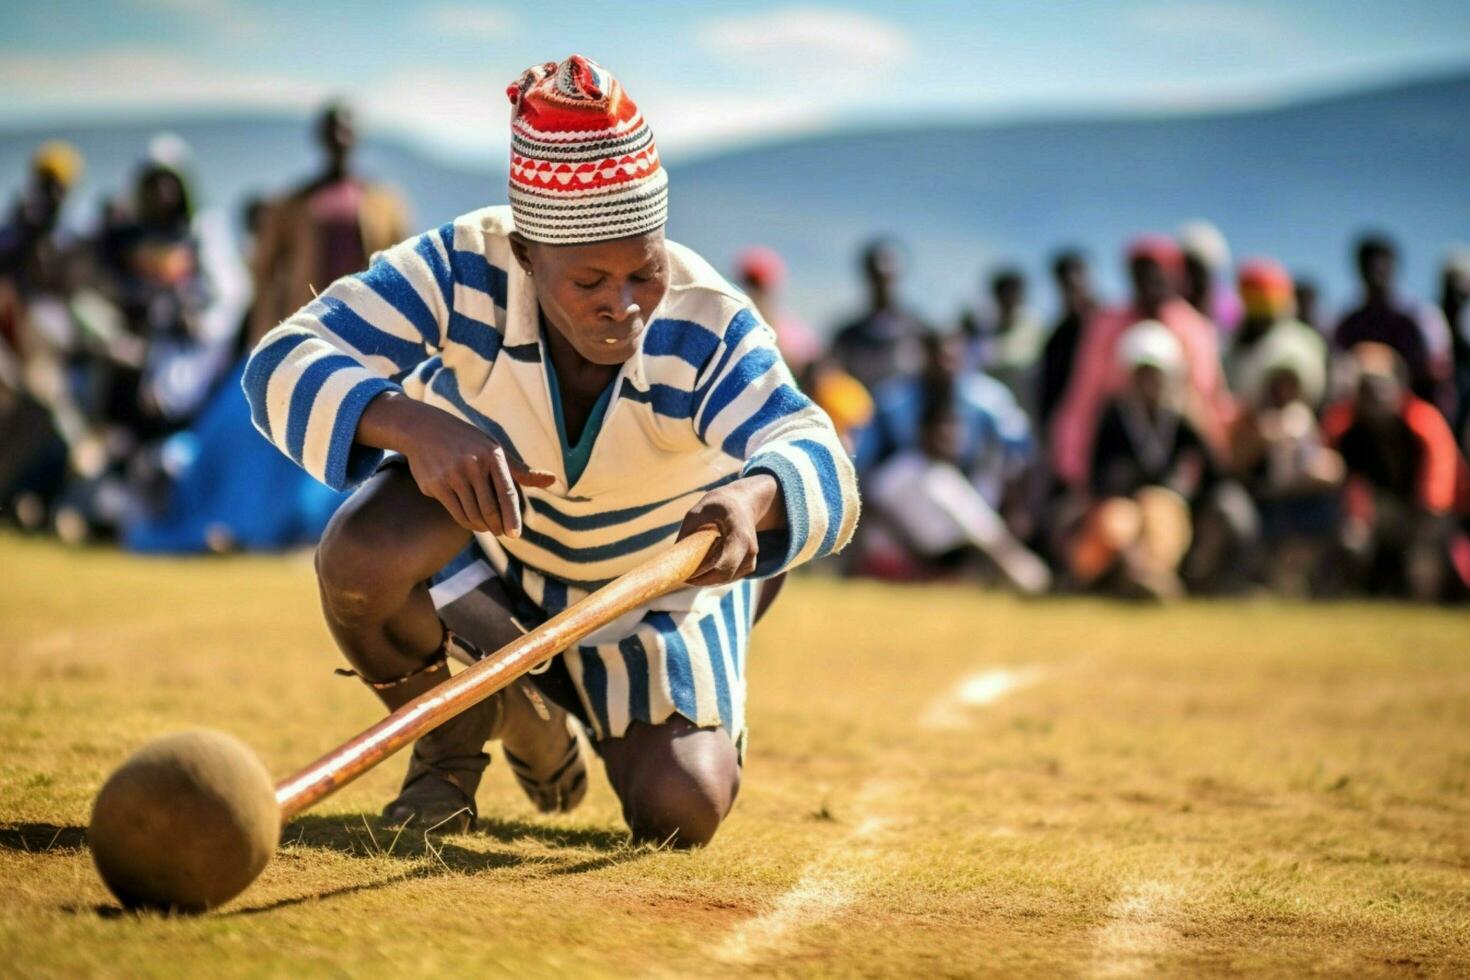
[(564, 393)]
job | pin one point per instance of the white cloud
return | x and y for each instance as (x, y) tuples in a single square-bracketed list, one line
[(836, 37), (223, 18), (1210, 20), (134, 77), (465, 20)]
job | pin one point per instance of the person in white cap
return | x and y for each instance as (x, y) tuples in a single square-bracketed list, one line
[(1149, 466)]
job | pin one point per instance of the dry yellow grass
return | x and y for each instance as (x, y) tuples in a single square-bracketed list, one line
[(1204, 789)]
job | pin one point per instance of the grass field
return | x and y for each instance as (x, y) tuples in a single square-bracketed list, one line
[(939, 782)]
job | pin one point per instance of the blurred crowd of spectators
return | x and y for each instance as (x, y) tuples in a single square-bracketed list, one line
[(1213, 431)]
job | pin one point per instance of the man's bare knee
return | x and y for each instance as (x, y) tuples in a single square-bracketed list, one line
[(355, 569), (676, 782)]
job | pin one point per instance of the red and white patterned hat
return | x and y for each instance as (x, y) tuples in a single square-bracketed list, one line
[(583, 166)]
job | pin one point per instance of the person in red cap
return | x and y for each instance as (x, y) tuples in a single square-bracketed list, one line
[(564, 393)]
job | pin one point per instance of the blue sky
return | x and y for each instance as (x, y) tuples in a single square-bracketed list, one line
[(707, 75)]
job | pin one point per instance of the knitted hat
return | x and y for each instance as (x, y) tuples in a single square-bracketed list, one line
[(1266, 288), (1159, 249), (583, 167)]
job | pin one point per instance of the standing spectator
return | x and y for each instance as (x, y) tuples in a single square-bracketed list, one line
[(1402, 469), (1156, 268), (1416, 332), (1074, 289), (762, 274), (1269, 299), (884, 341), (1206, 265), (1454, 304), (323, 230), (1309, 303), (1007, 344), (39, 416), (1150, 467)]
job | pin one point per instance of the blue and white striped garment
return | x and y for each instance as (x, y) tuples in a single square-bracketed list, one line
[(451, 319)]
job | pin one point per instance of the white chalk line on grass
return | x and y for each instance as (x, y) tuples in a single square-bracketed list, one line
[(1137, 932), (951, 710), (827, 885), (833, 881)]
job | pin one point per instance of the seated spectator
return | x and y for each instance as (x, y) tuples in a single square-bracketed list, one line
[(1278, 452), (1416, 331), (761, 273), (1006, 342), (1150, 467), (925, 500), (883, 342), (992, 438), (1206, 264), (1156, 266), (1403, 467)]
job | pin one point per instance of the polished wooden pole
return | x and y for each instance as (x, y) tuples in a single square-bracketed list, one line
[(658, 576)]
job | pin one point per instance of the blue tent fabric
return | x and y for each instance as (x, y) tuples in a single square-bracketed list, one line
[(236, 485)]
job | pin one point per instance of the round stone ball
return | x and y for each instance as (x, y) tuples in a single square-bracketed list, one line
[(185, 824)]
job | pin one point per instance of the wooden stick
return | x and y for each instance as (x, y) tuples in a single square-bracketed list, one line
[(658, 576)]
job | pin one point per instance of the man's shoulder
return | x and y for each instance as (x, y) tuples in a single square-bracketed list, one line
[(494, 222), (699, 294)]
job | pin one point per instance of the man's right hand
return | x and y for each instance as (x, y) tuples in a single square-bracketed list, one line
[(468, 472)]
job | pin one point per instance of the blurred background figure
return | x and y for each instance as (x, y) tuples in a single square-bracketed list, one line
[(1206, 266), (1156, 268), (883, 342), (1277, 449), (323, 230), (1309, 304), (1269, 301), (1416, 331), (1454, 305), (1150, 467), (230, 488), (1007, 339), (762, 274), (39, 414), (1404, 472), (1077, 303), (944, 459)]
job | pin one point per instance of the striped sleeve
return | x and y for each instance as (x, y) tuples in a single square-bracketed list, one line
[(309, 380), (747, 404)]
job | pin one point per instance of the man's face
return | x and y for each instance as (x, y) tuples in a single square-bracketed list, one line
[(338, 132), (1148, 382), (599, 296), (1150, 284), (1379, 397), (882, 268), (1378, 269), (1073, 283)]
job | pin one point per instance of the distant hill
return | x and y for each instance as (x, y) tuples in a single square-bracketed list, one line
[(1296, 182)]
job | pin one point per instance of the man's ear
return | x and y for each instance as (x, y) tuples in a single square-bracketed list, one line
[(521, 249)]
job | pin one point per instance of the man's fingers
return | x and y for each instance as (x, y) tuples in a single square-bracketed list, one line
[(528, 477), (486, 506), (449, 500), (508, 498)]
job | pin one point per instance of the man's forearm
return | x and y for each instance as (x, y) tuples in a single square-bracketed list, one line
[(393, 421)]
